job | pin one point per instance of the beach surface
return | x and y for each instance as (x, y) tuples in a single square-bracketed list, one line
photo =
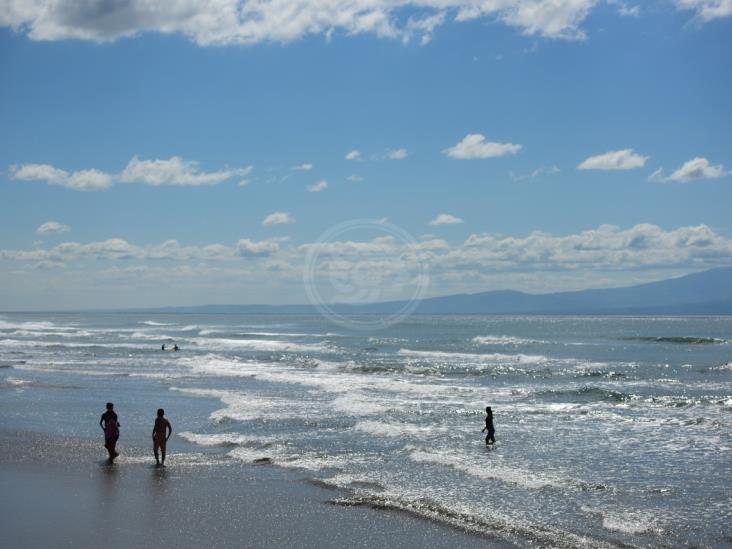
[(59, 492)]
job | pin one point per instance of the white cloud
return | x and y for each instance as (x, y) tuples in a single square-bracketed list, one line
[(255, 21), (692, 170), (318, 186), (118, 249), (278, 218), (536, 173), (396, 154), (353, 155), (625, 159), (539, 261), (264, 248), (175, 171), (303, 167), (629, 11), (607, 247), (706, 10), (82, 180), (354, 178), (52, 227), (474, 145), (446, 219), (625, 9)]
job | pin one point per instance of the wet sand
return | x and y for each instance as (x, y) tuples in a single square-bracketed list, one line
[(59, 492)]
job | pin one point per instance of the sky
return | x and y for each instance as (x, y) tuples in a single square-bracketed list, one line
[(169, 152)]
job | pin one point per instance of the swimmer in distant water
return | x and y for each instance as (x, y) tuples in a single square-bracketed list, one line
[(160, 435), (490, 438), (176, 348), (163, 347), (110, 426)]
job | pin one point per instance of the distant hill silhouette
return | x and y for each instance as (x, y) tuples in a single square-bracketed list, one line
[(708, 292)]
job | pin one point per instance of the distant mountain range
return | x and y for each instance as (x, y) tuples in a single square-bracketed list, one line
[(708, 292)]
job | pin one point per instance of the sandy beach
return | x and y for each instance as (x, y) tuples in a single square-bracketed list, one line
[(59, 492)]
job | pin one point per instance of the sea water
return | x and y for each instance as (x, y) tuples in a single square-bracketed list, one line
[(610, 430)]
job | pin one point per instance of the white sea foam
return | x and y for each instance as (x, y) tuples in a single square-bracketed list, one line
[(249, 406), (224, 439), (397, 430), (149, 336), (291, 458), (355, 404), (625, 521), (281, 334), (495, 470), (154, 323), (31, 344), (14, 382), (34, 326), (49, 333), (504, 340), (494, 358), (363, 394), (264, 345)]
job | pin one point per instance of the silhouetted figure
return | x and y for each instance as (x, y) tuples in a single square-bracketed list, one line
[(163, 347), (110, 426), (160, 435), (490, 438), (175, 347)]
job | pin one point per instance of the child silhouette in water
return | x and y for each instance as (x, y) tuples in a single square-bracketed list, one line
[(160, 435), (490, 438)]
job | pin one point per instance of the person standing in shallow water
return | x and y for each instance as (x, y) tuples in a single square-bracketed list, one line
[(161, 433), (110, 426), (489, 438)]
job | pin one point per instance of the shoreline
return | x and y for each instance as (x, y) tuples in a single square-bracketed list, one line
[(59, 491)]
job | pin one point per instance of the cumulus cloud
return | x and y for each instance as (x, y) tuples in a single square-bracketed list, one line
[(607, 247), (82, 180), (475, 146), (278, 218), (625, 159), (303, 167), (264, 248), (119, 249), (446, 219), (539, 261), (174, 171), (692, 170), (354, 178), (353, 155), (318, 186), (706, 10), (52, 227), (255, 21), (396, 154)]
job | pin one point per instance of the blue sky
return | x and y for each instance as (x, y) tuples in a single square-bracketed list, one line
[(519, 144)]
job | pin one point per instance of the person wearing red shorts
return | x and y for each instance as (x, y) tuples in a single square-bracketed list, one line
[(160, 435)]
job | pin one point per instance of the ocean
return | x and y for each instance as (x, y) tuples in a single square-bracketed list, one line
[(610, 430)]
